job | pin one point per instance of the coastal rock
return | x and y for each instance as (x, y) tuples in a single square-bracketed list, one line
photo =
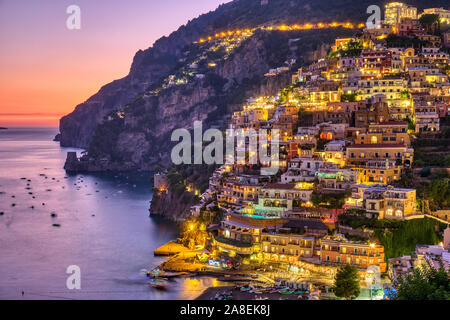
[(171, 206)]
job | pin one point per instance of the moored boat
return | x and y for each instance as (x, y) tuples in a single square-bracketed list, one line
[(159, 284)]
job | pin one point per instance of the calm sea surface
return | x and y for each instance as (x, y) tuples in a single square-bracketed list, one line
[(104, 228)]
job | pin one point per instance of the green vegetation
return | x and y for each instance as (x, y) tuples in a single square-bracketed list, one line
[(349, 97), (438, 193), (353, 49), (431, 23), (105, 138), (411, 124), (328, 200), (403, 239), (422, 159), (346, 284), (426, 283), (158, 169), (394, 41), (398, 237)]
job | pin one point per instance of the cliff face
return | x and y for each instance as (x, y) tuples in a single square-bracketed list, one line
[(171, 206)]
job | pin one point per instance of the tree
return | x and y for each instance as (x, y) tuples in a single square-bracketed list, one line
[(426, 283), (348, 97), (158, 169), (430, 22), (346, 284)]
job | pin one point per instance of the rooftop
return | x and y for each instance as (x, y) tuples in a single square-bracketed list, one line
[(280, 186), (377, 145), (306, 223)]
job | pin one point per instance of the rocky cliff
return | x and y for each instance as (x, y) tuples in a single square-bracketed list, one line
[(139, 138), (171, 205)]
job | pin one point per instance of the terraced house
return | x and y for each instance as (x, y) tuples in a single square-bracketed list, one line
[(386, 202), (360, 154), (359, 254)]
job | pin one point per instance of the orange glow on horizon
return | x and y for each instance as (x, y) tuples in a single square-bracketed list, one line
[(47, 69)]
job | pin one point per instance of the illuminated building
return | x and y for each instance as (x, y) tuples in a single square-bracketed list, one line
[(392, 89), (375, 63), (447, 39), (374, 109), (426, 113), (396, 11), (242, 234), (341, 43), (359, 254), (334, 152), (336, 179), (235, 192), (390, 132), (161, 182), (435, 55), (435, 41), (408, 28), (287, 247), (417, 74), (378, 172), (360, 154), (284, 195), (385, 201), (444, 15)]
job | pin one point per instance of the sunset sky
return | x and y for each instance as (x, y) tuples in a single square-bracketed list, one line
[(47, 69)]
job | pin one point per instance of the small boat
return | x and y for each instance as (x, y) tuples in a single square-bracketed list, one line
[(159, 284)]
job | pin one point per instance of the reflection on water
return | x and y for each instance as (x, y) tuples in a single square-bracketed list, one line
[(103, 221)]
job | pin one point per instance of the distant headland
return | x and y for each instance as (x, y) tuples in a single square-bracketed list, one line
[(3, 128)]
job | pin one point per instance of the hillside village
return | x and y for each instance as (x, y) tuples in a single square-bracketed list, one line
[(364, 145)]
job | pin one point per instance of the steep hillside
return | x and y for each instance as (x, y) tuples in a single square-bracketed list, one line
[(137, 135), (198, 99)]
